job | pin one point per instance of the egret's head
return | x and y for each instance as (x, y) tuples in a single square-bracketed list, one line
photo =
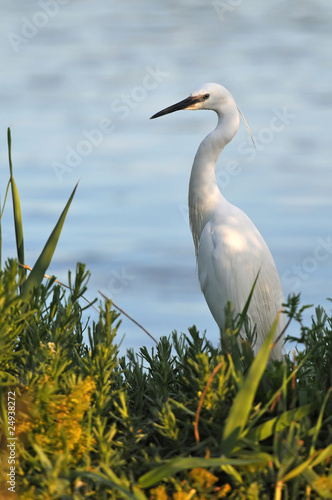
[(208, 96)]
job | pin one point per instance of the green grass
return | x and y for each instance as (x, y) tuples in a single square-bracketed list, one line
[(183, 420)]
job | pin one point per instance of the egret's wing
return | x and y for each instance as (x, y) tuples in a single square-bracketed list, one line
[(231, 253)]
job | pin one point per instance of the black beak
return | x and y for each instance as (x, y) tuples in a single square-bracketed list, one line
[(189, 101)]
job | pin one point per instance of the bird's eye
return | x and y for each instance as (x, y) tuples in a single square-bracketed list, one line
[(206, 96)]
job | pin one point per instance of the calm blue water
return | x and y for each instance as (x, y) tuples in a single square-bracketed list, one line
[(80, 80)]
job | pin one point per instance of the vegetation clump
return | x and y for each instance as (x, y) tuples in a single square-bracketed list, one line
[(182, 420)]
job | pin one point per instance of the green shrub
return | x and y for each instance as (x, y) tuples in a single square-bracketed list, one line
[(92, 424)]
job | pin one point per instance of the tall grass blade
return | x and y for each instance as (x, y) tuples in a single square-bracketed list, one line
[(44, 260), (277, 424), (236, 353), (16, 209), (179, 464), (320, 421), (309, 463), (112, 485), (322, 487), (242, 404), (246, 305), (2, 208)]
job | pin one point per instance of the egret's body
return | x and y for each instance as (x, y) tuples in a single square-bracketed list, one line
[(230, 251)]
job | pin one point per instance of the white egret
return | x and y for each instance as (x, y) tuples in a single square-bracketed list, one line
[(230, 251)]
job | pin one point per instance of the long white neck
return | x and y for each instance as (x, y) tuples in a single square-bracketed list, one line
[(204, 193)]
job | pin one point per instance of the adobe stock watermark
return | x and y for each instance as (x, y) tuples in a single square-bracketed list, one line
[(84, 147), (278, 123), (223, 7), (293, 277), (130, 100), (121, 108), (119, 281), (30, 26), (12, 441)]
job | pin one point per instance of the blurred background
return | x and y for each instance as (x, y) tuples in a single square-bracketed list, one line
[(80, 80)]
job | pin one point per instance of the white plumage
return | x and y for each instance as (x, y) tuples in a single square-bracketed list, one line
[(230, 250)]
